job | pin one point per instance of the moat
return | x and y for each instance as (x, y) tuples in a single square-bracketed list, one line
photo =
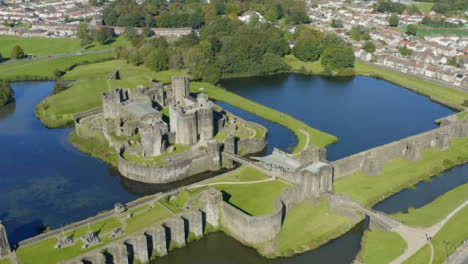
[(50, 182)]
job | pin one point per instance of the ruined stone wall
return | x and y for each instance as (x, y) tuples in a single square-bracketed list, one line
[(411, 148), (4, 245), (252, 229), (170, 172), (156, 240), (154, 174)]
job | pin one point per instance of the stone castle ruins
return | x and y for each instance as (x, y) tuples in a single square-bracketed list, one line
[(162, 134)]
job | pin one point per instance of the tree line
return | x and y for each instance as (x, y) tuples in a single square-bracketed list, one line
[(196, 13)]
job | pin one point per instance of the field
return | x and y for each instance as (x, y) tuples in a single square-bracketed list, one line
[(427, 31), (424, 6), (50, 46), (5, 261), (308, 226), (380, 247), (255, 198), (43, 69), (401, 173)]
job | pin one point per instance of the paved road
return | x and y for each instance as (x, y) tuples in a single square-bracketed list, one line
[(56, 56)]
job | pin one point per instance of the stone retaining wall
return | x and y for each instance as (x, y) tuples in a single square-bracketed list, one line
[(252, 229), (370, 161)]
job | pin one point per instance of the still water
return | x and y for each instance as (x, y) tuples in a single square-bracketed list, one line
[(363, 112), (45, 180)]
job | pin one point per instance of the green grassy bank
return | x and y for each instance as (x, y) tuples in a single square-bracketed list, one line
[(380, 247), (5, 261), (436, 210), (38, 46), (43, 69), (401, 173), (98, 148)]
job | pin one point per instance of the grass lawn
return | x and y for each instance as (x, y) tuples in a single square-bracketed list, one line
[(39, 46), (44, 252), (299, 66), (426, 88), (380, 247), (308, 226), (255, 198), (317, 138), (454, 232), (51, 46), (422, 256), (5, 261), (243, 174), (401, 173), (43, 69), (146, 218), (424, 6), (178, 203), (157, 160), (436, 210)]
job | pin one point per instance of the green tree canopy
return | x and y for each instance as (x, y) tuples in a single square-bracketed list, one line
[(337, 57), (369, 47), (17, 52), (393, 20), (411, 29), (6, 93)]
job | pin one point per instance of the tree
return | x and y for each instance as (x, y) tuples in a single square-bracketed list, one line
[(307, 49), (274, 13), (411, 29), (405, 51), (426, 20), (369, 47), (336, 23), (157, 60), (355, 33), (83, 34), (413, 9), (17, 52), (6, 93), (452, 62), (337, 57), (393, 20)]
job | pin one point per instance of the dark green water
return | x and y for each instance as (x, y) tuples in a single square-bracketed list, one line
[(45, 180)]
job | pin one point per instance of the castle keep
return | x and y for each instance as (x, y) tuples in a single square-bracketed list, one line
[(162, 134)]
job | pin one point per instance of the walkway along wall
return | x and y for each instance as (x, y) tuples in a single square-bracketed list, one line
[(370, 161), (156, 240)]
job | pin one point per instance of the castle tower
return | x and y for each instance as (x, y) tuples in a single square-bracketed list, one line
[(205, 117), (180, 88), (186, 133), (153, 139), (4, 245), (111, 103)]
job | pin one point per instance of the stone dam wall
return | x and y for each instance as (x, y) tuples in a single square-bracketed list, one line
[(411, 148)]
